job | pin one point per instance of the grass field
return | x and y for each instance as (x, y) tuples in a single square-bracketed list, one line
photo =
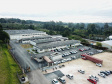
[(8, 67)]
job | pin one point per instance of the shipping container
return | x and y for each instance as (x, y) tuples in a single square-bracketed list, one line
[(93, 59)]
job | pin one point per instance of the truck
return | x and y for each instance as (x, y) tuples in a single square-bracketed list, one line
[(91, 58)]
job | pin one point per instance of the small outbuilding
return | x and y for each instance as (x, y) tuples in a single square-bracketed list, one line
[(49, 62)]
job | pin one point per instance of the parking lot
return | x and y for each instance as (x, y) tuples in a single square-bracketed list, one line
[(89, 67), (77, 54)]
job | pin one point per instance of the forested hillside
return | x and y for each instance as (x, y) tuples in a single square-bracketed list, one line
[(95, 31)]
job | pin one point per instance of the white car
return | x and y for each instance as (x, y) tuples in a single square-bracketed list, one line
[(70, 76), (55, 81), (100, 51), (102, 75), (98, 64), (69, 59)]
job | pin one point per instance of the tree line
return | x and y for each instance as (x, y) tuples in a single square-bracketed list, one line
[(4, 37), (94, 31)]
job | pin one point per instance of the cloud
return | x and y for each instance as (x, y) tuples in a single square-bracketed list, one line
[(59, 10)]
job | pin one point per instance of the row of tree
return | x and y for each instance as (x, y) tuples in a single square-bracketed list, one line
[(4, 37), (96, 31)]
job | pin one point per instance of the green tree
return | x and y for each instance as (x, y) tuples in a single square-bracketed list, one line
[(4, 36), (1, 29), (84, 41), (82, 26), (99, 44), (106, 26), (66, 33)]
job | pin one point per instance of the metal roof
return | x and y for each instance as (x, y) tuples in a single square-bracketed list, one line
[(36, 38), (47, 40), (56, 44), (109, 42), (29, 31)]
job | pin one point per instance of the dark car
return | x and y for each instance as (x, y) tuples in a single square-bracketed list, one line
[(62, 80), (104, 73)]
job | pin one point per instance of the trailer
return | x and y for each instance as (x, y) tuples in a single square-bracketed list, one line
[(91, 58)]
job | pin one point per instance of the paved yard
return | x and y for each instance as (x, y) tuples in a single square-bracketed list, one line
[(89, 67)]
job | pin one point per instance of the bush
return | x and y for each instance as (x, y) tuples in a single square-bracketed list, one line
[(99, 44)]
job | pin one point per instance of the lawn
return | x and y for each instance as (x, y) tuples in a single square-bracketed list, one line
[(8, 67)]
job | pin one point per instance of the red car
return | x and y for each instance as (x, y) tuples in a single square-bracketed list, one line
[(92, 81), (81, 50)]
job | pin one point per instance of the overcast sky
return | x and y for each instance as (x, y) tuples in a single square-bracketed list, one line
[(58, 10)]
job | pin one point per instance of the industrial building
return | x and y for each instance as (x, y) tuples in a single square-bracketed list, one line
[(55, 45), (110, 37), (47, 40), (33, 39), (107, 44), (19, 34)]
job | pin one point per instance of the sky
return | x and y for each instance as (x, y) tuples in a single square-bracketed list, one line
[(86, 11)]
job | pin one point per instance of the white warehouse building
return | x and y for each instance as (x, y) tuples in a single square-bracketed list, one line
[(107, 44), (110, 37), (20, 34)]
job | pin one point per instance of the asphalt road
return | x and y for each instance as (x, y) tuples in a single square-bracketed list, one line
[(35, 76), (23, 57)]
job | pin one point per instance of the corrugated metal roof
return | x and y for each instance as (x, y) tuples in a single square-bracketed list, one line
[(29, 31), (109, 42), (56, 44)]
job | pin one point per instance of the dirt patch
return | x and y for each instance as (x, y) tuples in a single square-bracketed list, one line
[(26, 46)]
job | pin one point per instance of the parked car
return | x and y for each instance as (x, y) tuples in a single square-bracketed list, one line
[(56, 62), (69, 59), (59, 62), (61, 66), (91, 53), (100, 51), (67, 48), (73, 57), (55, 81), (70, 76), (98, 64), (62, 49), (108, 72), (92, 81), (62, 80), (63, 55), (102, 75), (81, 50), (94, 77), (81, 71)]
